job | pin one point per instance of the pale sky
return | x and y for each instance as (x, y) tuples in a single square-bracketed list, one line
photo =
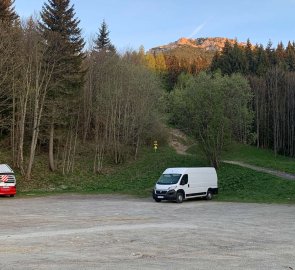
[(156, 22)]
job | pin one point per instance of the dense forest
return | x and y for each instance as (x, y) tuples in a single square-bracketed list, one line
[(58, 97), (270, 72)]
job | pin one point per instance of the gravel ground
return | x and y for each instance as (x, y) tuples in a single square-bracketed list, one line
[(118, 232)]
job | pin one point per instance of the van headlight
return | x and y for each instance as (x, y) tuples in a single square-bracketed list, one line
[(171, 188)]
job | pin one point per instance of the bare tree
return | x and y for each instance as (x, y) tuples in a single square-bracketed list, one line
[(119, 104), (37, 79), (10, 71)]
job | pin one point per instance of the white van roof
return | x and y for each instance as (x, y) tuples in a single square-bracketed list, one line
[(183, 170), (4, 168)]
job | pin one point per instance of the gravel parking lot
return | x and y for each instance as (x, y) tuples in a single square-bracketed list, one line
[(120, 232)]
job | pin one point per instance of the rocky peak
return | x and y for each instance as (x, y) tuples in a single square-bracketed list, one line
[(207, 44)]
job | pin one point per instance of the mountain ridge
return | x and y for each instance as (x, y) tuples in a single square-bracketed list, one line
[(208, 44)]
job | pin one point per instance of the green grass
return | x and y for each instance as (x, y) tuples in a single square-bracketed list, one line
[(251, 155), (259, 157), (245, 185), (241, 184), (138, 178), (195, 150)]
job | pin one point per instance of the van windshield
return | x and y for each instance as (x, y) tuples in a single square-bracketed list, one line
[(168, 179)]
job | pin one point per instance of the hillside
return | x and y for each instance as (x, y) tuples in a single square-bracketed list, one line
[(204, 44), (138, 177), (188, 55)]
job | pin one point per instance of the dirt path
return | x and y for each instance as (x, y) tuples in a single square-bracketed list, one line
[(179, 141), (280, 174)]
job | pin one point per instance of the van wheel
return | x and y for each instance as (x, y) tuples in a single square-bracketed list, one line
[(209, 195), (158, 200), (11, 196), (179, 197)]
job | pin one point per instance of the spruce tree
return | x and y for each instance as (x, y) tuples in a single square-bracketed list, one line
[(238, 59), (103, 42), (7, 13), (250, 58), (261, 60), (270, 53), (232, 59), (64, 52), (290, 56), (280, 54), (62, 36), (215, 63)]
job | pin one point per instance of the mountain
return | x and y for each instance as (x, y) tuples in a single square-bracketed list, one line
[(205, 44), (187, 55)]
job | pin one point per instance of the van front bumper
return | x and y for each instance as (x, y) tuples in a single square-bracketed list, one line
[(160, 195), (7, 190)]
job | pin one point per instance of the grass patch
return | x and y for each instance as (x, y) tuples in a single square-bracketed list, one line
[(194, 150), (245, 185), (259, 157), (252, 155), (138, 178)]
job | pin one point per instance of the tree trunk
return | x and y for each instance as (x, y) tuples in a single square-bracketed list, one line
[(51, 154)]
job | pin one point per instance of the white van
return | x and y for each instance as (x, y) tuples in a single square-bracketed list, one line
[(178, 184)]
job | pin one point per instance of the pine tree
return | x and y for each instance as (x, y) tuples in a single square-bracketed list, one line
[(280, 54), (261, 60), (103, 42), (232, 59), (7, 13), (225, 58), (215, 63), (238, 59), (250, 57), (64, 51), (270, 53), (61, 32), (290, 56)]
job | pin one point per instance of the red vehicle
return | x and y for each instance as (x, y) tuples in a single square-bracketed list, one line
[(7, 181)]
